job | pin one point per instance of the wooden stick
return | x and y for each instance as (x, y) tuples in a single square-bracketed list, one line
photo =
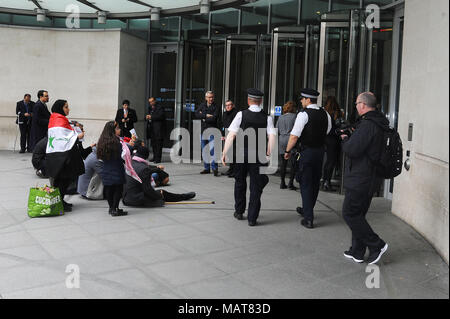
[(190, 202)]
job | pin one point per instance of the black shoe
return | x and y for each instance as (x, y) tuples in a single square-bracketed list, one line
[(283, 185), (39, 173), (238, 216), (300, 211), (157, 162), (67, 204), (351, 255), (252, 223), (67, 208), (118, 212), (375, 256), (216, 173), (29, 151), (292, 187), (229, 172), (206, 171), (22, 151), (231, 175), (151, 160), (187, 196), (307, 223)]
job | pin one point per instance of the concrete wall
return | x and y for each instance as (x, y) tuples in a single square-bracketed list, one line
[(132, 76), (81, 66), (421, 196)]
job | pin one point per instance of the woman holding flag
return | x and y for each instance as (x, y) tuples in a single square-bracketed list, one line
[(64, 153)]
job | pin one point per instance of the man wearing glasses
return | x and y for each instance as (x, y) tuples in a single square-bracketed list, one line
[(40, 119), (311, 127)]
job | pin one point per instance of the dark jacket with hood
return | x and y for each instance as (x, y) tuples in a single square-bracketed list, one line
[(362, 150), (228, 117)]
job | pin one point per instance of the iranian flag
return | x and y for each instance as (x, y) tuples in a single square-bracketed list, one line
[(61, 139)]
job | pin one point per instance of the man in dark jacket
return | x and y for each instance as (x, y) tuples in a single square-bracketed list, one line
[(126, 117), (143, 194), (155, 128), (38, 158), (362, 150), (40, 118), (228, 117), (24, 109), (208, 112)]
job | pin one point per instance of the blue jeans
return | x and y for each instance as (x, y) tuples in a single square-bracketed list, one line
[(206, 164)]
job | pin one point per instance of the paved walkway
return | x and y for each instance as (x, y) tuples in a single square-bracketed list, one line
[(201, 251)]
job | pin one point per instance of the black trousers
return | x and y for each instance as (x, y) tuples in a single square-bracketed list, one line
[(333, 150), (284, 163), (257, 183), (25, 131), (157, 146), (355, 208), (113, 194), (309, 172), (63, 185)]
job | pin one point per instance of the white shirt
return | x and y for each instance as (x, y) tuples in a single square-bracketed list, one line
[(302, 120), (236, 124)]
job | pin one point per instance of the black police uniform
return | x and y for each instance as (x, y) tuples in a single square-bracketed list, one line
[(255, 120), (312, 151)]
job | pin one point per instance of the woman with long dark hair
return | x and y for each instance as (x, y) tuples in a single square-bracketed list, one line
[(112, 172), (332, 142)]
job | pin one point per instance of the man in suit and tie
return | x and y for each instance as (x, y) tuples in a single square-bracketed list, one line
[(126, 117), (40, 119), (24, 109)]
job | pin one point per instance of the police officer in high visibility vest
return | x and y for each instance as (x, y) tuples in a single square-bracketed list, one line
[(311, 127), (255, 119)]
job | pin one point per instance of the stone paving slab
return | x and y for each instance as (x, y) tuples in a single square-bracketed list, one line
[(201, 251)]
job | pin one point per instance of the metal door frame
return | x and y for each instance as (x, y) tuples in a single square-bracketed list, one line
[(178, 49), (228, 44), (278, 35)]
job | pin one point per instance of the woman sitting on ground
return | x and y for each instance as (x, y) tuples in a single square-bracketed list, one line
[(143, 194)]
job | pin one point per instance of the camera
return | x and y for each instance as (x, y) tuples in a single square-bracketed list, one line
[(345, 130)]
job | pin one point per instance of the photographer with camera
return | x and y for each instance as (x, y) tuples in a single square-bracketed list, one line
[(363, 150)]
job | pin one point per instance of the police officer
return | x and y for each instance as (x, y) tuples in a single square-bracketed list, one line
[(311, 127), (259, 122)]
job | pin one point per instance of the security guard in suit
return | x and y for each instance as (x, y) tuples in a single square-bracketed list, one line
[(250, 163), (311, 127)]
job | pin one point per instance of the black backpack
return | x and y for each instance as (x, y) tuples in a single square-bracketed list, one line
[(390, 164)]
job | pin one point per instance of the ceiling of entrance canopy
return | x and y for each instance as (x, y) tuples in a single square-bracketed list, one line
[(92, 6)]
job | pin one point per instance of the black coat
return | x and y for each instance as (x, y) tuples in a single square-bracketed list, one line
[(39, 151), (72, 164), (21, 110), (141, 194), (112, 171), (203, 110), (228, 117), (362, 150), (132, 118), (155, 126), (39, 123)]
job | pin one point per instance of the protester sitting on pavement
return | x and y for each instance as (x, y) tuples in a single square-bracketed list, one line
[(90, 185), (160, 177), (143, 194), (38, 158)]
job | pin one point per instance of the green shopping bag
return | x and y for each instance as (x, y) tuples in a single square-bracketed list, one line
[(45, 201)]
